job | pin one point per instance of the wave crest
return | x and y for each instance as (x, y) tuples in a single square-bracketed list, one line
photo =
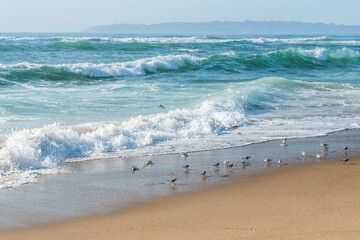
[(322, 54), (130, 68), (50, 146)]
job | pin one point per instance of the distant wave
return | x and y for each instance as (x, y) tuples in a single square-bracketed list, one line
[(229, 61), (193, 39), (130, 68), (322, 54), (293, 58), (206, 39)]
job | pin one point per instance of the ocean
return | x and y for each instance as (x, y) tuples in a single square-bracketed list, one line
[(75, 97)]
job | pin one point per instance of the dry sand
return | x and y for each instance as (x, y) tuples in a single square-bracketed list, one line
[(315, 201)]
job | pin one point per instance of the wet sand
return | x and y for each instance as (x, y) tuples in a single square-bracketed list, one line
[(227, 204), (313, 201)]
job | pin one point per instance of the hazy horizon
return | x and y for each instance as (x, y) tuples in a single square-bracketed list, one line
[(69, 16), (175, 22)]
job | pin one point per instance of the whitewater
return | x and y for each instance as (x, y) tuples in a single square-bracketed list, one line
[(74, 97)]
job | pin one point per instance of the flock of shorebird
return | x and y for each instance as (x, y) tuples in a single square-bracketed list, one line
[(245, 162)]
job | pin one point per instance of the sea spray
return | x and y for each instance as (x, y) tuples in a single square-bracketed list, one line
[(52, 145)]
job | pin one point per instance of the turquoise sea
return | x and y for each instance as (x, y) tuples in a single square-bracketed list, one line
[(70, 97)]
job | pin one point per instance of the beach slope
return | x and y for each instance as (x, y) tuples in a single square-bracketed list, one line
[(314, 201)]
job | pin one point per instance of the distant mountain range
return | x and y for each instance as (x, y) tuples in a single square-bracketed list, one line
[(235, 28)]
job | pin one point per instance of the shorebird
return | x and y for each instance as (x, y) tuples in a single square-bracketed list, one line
[(324, 145), (133, 170), (318, 156), (280, 162), (346, 148), (203, 173), (148, 163), (172, 181), (246, 157), (161, 106), (226, 162), (267, 160), (184, 155), (229, 165), (186, 167), (284, 143), (304, 154), (234, 127), (345, 160), (216, 164)]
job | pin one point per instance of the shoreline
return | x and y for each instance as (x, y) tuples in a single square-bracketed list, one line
[(316, 201), (211, 149), (97, 187)]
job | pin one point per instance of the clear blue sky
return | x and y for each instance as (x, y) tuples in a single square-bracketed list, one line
[(77, 15)]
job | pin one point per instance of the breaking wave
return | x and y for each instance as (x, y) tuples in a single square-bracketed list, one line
[(30, 152), (130, 68), (206, 39), (290, 58), (322, 54)]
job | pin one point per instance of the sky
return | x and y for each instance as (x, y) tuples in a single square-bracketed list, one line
[(78, 15)]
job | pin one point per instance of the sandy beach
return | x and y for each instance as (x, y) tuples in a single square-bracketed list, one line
[(312, 201)]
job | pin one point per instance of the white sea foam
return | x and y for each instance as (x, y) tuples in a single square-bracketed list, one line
[(262, 40), (228, 54), (85, 39), (129, 68), (342, 42), (259, 40), (206, 40), (48, 147), (323, 53), (18, 38), (164, 39), (187, 50)]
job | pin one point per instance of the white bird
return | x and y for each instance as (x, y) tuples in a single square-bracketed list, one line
[(267, 160), (324, 145), (304, 154), (226, 162), (184, 155), (148, 163), (133, 170), (284, 144), (318, 156), (280, 162)]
